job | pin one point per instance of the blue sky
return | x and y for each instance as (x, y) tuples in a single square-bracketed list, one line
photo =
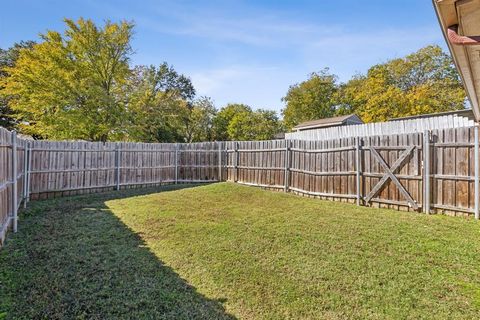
[(246, 51)]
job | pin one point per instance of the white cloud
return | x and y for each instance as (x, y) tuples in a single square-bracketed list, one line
[(257, 86), (209, 81), (252, 55), (224, 23), (349, 52), (345, 53), (256, 31)]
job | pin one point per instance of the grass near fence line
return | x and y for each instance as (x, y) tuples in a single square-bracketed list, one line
[(226, 251)]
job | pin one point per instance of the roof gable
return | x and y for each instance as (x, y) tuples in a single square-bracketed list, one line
[(460, 20)]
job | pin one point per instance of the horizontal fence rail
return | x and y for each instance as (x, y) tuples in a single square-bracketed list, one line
[(436, 171)]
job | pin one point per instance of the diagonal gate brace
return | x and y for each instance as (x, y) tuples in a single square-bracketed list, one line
[(389, 174)]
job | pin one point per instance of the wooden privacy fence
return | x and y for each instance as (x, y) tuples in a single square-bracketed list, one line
[(65, 168), (435, 171), (12, 179)]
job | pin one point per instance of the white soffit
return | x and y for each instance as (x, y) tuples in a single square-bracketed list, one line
[(465, 14)]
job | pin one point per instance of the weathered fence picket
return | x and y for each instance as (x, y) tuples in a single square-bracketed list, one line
[(14, 181), (358, 169), (476, 192), (426, 172)]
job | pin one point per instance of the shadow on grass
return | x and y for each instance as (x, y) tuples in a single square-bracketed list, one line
[(72, 258)]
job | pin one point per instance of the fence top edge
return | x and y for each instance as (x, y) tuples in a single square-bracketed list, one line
[(212, 144)]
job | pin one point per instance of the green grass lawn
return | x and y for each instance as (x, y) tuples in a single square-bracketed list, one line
[(226, 251)]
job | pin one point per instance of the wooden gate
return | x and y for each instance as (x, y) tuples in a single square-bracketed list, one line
[(392, 170)]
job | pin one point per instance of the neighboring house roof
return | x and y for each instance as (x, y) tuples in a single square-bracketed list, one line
[(467, 113), (460, 23), (329, 122), (24, 136)]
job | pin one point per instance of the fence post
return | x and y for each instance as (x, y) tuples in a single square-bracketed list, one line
[(14, 181), (235, 167), (220, 161), (287, 165), (25, 177), (426, 172), (226, 157), (477, 174), (176, 163), (29, 170), (117, 167), (358, 141)]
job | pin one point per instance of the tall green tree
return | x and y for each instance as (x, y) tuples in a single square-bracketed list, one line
[(254, 125), (423, 82), (8, 58), (225, 116), (311, 99), (70, 85), (160, 103), (197, 121)]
